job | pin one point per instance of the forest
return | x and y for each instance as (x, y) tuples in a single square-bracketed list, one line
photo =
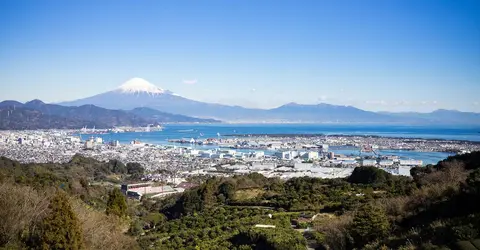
[(78, 205)]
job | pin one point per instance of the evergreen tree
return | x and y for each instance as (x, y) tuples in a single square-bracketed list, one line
[(116, 203), (369, 175), (117, 166), (369, 223), (61, 229), (227, 189), (135, 168), (473, 181)]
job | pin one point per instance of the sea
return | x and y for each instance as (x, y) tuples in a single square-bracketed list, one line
[(188, 131)]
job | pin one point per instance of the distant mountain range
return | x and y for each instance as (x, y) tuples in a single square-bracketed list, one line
[(137, 93), (39, 115), (440, 116)]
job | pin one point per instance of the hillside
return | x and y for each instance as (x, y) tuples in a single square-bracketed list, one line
[(39, 115), (24, 118), (47, 206), (371, 209)]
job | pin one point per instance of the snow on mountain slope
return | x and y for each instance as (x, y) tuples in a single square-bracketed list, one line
[(139, 85)]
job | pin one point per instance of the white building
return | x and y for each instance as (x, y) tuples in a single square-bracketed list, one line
[(312, 155), (286, 155), (89, 144), (411, 162), (368, 163), (74, 139), (404, 170), (258, 154), (386, 163), (193, 152)]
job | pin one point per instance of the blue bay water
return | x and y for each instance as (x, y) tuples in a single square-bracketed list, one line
[(188, 131)]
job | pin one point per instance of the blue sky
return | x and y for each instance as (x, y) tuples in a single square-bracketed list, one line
[(408, 55)]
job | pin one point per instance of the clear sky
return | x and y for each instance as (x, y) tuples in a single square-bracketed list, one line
[(406, 55)]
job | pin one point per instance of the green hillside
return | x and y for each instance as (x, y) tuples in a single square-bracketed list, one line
[(436, 209)]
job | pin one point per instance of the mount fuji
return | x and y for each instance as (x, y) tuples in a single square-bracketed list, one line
[(139, 93)]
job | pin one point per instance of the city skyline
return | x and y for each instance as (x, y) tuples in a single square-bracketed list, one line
[(377, 55)]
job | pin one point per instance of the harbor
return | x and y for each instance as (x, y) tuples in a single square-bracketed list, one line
[(197, 153)]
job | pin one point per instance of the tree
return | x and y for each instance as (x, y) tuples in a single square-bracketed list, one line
[(227, 189), (135, 168), (117, 166), (368, 175), (116, 203), (369, 223), (61, 229), (473, 181), (155, 219), (136, 228)]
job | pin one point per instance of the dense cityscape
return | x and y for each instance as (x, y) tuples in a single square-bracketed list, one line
[(284, 156)]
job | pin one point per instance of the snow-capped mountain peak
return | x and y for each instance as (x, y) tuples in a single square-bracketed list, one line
[(139, 85)]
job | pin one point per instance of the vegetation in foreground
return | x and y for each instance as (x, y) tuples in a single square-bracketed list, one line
[(436, 209)]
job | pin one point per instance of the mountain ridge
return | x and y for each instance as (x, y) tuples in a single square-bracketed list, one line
[(138, 92), (36, 114)]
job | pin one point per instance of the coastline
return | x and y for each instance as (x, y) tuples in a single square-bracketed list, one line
[(290, 135)]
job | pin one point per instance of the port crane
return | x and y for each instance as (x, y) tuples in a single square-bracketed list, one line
[(367, 148)]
